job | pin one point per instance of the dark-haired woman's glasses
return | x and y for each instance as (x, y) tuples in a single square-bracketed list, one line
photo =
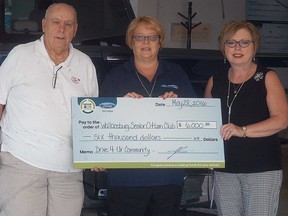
[(242, 43), (146, 37)]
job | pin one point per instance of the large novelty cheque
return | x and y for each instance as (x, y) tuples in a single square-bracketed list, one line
[(147, 133)]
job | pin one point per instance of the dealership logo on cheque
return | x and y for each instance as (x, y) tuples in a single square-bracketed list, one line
[(107, 105), (87, 106)]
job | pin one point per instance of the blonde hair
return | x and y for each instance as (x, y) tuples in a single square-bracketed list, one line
[(150, 23), (230, 28)]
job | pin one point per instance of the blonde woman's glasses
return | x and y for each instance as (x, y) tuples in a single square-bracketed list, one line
[(242, 43), (146, 37)]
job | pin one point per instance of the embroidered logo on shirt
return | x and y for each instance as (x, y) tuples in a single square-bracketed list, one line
[(170, 86), (75, 80)]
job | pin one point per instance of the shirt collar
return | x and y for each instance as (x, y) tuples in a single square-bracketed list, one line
[(130, 67), (40, 50)]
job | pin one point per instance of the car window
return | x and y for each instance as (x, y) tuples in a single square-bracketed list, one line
[(100, 21)]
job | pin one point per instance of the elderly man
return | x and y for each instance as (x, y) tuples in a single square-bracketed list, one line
[(37, 81)]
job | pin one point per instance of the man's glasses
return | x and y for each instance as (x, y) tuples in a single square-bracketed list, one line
[(242, 43), (146, 37), (54, 79)]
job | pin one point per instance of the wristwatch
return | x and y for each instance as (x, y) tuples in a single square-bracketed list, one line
[(244, 128)]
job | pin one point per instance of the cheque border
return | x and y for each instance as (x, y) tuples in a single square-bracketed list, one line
[(81, 165)]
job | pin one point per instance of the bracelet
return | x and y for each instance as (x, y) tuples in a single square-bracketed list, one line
[(244, 128)]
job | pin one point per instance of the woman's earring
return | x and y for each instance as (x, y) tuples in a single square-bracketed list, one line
[(254, 59), (225, 60)]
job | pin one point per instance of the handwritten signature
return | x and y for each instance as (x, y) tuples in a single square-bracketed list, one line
[(177, 151)]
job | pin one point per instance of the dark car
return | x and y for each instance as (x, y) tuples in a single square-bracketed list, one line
[(101, 35)]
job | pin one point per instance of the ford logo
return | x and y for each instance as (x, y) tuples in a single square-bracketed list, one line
[(107, 105)]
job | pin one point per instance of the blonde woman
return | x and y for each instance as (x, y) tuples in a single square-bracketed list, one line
[(254, 110)]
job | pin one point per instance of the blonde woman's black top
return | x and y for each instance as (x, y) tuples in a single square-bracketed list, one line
[(247, 155)]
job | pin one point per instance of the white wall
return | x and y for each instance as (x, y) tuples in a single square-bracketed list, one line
[(209, 13)]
